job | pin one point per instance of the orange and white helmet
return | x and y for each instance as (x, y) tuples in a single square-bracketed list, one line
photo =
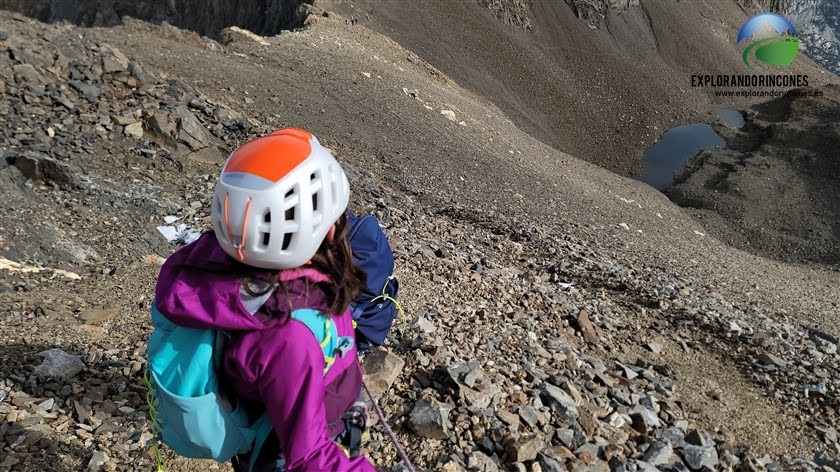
[(277, 198)]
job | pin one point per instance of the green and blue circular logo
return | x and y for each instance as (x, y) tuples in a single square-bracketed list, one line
[(770, 39)]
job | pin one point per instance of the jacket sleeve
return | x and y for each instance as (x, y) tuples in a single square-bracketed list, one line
[(291, 385)]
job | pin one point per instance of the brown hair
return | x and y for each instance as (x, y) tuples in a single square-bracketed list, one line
[(333, 259)]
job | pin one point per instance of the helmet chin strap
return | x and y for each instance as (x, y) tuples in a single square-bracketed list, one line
[(241, 244)]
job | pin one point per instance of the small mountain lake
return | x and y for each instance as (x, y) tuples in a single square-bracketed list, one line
[(731, 118), (677, 145)]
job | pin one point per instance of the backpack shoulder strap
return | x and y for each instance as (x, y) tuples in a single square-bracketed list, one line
[(262, 429), (325, 332)]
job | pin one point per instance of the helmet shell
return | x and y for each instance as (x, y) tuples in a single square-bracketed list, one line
[(277, 198)]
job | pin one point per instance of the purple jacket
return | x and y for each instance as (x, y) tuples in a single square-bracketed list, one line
[(269, 359)]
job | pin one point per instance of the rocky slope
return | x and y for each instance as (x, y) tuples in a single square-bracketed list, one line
[(548, 326), (600, 80)]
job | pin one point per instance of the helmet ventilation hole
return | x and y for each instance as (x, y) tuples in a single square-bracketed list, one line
[(287, 240), (266, 237), (267, 217)]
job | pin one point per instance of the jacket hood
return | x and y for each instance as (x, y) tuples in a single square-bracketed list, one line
[(200, 287)]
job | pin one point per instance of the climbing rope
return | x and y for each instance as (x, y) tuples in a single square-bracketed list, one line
[(388, 430)]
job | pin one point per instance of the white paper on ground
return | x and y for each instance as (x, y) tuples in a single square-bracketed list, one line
[(179, 234), (168, 232)]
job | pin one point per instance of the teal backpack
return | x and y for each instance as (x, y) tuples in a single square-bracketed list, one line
[(186, 405)]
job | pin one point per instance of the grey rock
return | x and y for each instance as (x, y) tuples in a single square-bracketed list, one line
[(621, 395), (38, 167), (595, 451), (528, 415), (97, 461), (560, 402), (654, 347), (673, 435), (644, 420), (572, 438), (112, 59), (430, 419), (191, 131), (642, 466), (481, 395), (695, 438), (509, 418), (47, 404), (478, 461), (824, 460), (730, 459), (700, 458), (27, 74), (677, 466), (66, 103), (29, 56), (138, 72), (161, 127), (659, 453), (89, 91), (770, 359), (124, 120), (829, 433), (135, 130), (382, 369), (814, 334), (548, 464), (628, 371), (526, 447), (818, 389), (535, 374), (36, 90), (465, 373), (824, 345), (58, 363), (425, 325)]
